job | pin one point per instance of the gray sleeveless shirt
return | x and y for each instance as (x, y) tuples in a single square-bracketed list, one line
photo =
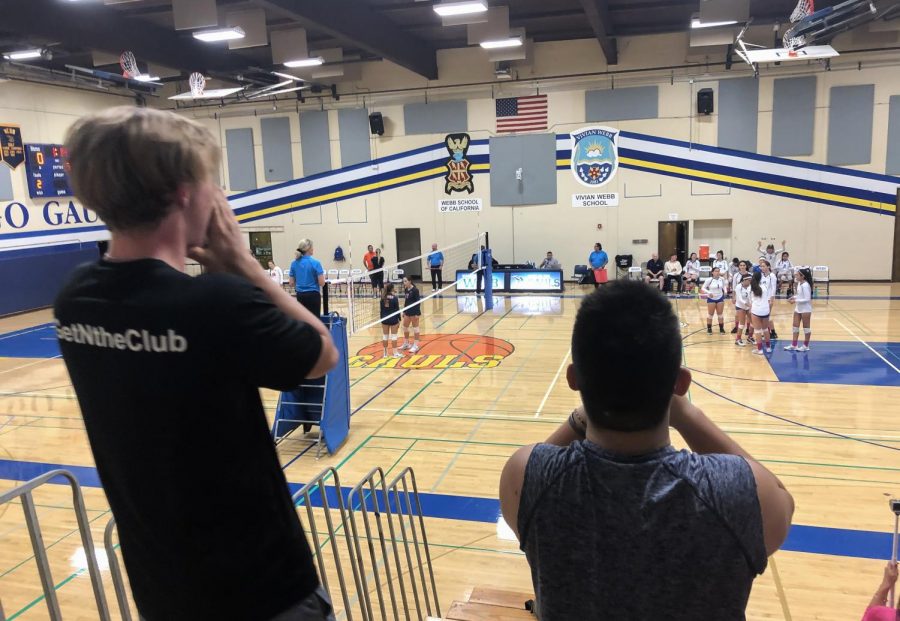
[(670, 535)]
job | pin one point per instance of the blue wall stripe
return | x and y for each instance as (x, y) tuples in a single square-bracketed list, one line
[(802, 538), (80, 229)]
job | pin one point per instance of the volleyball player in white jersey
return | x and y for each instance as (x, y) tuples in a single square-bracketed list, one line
[(784, 270), (691, 272), (722, 264), (760, 308), (742, 308), (715, 289), (802, 309), (743, 270), (770, 284)]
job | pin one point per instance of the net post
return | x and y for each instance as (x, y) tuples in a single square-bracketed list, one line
[(486, 258), (325, 298)]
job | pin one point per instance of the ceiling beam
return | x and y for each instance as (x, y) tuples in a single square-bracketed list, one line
[(97, 27), (356, 25), (597, 12)]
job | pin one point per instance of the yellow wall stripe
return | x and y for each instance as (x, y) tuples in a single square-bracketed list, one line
[(848, 200), (485, 167)]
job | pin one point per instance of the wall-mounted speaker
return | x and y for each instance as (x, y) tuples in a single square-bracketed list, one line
[(705, 101), (376, 123)]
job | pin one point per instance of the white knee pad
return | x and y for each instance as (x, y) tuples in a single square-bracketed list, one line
[(394, 338), (807, 330), (796, 330)]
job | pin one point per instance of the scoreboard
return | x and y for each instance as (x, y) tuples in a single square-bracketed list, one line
[(45, 168)]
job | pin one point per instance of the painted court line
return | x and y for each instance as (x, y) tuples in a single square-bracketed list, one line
[(801, 538), (30, 364), (850, 332), (553, 383)]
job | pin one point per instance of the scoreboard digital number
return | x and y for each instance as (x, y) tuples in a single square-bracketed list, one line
[(45, 167)]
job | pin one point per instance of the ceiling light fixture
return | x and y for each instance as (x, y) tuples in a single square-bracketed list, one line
[(23, 55), (696, 23), (146, 77), (467, 7), (498, 44), (219, 34), (305, 62)]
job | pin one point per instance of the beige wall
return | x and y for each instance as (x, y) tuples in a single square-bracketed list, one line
[(855, 244)]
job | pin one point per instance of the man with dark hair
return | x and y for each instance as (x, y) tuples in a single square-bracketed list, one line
[(617, 524)]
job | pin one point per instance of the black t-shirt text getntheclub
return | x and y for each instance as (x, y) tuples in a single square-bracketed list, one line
[(166, 368)]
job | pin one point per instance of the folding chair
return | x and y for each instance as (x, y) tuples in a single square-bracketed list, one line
[(821, 276), (635, 273)]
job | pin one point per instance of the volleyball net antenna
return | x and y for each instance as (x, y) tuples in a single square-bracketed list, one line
[(356, 295)]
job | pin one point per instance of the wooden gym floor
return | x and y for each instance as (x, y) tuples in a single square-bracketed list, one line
[(826, 422)]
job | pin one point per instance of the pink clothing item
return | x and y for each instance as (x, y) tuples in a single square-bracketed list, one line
[(880, 613)]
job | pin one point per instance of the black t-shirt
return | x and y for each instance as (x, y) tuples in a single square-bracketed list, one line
[(166, 368), (389, 305), (655, 267)]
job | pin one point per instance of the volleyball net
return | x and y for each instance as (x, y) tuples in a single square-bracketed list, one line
[(356, 295)]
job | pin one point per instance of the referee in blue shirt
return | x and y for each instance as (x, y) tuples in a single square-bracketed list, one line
[(307, 277), (436, 265)]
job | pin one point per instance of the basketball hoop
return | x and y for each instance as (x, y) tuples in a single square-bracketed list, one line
[(197, 82), (804, 9), (129, 65)]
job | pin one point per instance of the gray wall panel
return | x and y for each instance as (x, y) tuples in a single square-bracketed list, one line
[(622, 104), (315, 145), (738, 113), (241, 159), (794, 116), (850, 125), (278, 162), (535, 154), (436, 118), (893, 146), (6, 190), (353, 124)]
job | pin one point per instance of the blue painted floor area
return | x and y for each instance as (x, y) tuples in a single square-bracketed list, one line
[(802, 538), (837, 362), (34, 342)]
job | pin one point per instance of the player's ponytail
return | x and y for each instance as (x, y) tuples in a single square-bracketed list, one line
[(754, 284)]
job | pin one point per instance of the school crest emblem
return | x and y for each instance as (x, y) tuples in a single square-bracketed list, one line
[(595, 155), (458, 178)]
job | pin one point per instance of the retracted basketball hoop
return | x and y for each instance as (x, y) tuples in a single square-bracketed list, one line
[(804, 9), (198, 83), (129, 65)]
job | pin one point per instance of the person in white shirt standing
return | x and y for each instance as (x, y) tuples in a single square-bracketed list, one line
[(276, 273), (802, 309), (770, 254), (759, 313), (715, 288), (742, 301), (770, 284), (736, 278), (722, 264)]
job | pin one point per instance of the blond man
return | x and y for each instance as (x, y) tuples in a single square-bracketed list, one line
[(167, 370)]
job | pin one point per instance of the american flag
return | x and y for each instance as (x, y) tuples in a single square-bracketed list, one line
[(522, 114)]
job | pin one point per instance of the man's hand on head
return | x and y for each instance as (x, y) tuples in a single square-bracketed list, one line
[(224, 250)]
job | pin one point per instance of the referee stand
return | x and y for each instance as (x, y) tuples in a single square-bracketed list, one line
[(323, 403)]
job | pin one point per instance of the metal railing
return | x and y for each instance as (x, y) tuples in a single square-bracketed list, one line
[(373, 497), (115, 571), (401, 566), (40, 551)]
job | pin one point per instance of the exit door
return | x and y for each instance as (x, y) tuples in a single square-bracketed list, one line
[(409, 245), (261, 247), (673, 239)]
